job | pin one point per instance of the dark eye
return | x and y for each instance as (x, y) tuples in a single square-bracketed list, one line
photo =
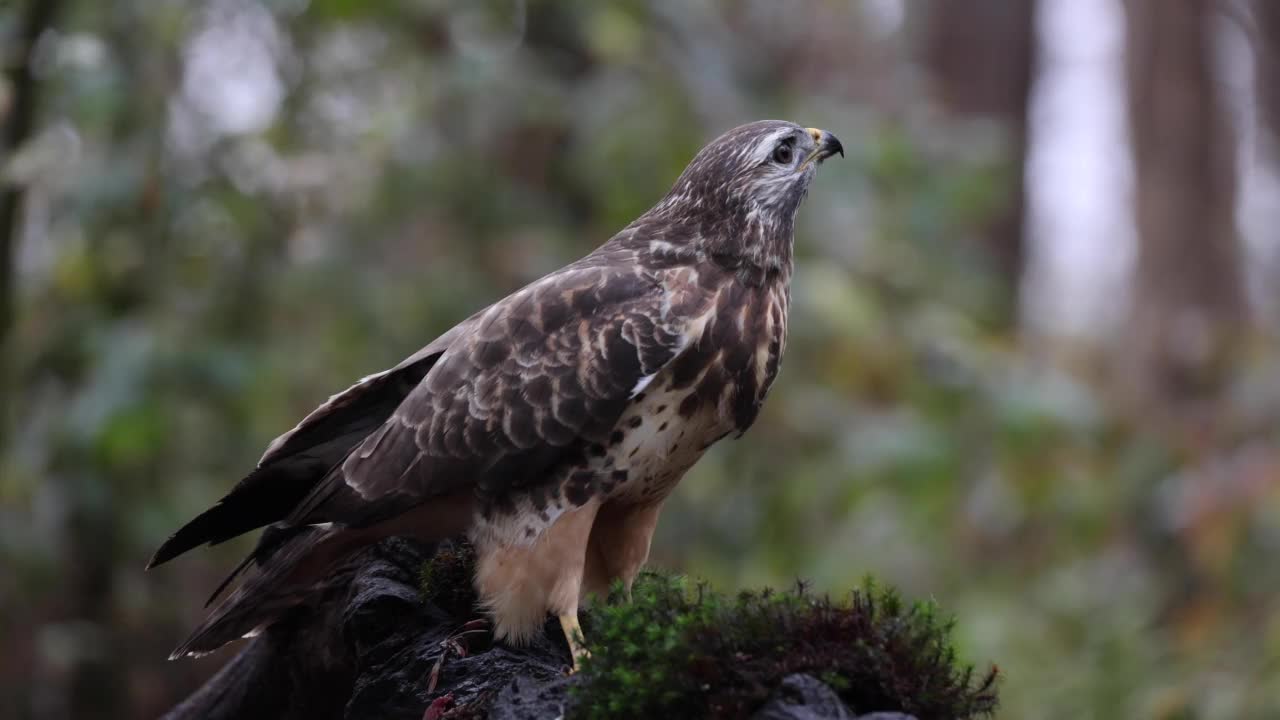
[(782, 154)]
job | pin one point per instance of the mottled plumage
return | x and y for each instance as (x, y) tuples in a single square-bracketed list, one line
[(550, 426)]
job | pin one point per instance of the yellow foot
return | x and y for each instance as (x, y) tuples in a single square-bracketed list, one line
[(573, 634)]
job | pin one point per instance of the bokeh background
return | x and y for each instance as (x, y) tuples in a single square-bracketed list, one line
[(1033, 371)]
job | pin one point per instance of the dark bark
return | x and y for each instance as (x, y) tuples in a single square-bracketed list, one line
[(1188, 305), (982, 56), (367, 650)]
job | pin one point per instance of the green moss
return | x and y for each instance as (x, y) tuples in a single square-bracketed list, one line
[(679, 648), (445, 579)]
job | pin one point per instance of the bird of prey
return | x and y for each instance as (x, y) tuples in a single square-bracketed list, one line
[(549, 427)]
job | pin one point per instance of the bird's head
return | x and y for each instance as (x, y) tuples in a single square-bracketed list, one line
[(742, 190)]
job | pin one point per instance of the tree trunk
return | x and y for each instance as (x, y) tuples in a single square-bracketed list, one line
[(39, 16), (982, 56), (1266, 15), (1188, 306)]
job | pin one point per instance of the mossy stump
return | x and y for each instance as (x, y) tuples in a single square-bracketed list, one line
[(394, 638), (679, 649)]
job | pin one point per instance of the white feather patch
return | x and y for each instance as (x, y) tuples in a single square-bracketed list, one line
[(641, 384)]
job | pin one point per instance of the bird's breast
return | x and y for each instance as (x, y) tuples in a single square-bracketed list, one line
[(715, 387), (660, 436)]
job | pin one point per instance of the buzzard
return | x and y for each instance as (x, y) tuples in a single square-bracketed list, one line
[(549, 427)]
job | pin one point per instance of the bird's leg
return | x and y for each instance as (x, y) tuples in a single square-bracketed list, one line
[(573, 634)]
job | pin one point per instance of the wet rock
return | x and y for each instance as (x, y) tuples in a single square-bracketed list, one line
[(409, 653), (527, 698), (803, 697)]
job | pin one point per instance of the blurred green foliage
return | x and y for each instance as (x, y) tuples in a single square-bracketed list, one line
[(234, 209)]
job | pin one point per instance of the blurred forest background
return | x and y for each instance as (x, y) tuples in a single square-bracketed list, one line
[(1033, 371)]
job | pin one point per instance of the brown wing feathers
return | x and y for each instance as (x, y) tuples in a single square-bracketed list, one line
[(298, 460), (530, 385), (271, 491), (510, 400)]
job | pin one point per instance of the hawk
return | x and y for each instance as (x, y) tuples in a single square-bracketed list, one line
[(549, 427)]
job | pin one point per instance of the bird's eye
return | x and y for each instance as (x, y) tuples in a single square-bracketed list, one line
[(782, 154)]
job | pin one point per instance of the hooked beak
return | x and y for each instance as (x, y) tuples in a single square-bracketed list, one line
[(825, 144)]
